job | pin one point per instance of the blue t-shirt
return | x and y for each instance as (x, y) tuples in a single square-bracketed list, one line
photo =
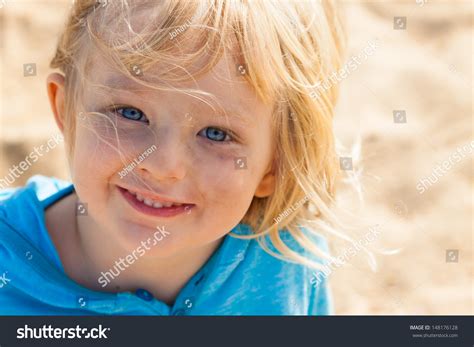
[(239, 278)]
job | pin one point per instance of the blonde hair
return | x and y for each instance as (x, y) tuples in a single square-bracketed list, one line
[(287, 48)]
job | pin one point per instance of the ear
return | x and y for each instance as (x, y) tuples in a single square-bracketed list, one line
[(266, 186), (55, 85)]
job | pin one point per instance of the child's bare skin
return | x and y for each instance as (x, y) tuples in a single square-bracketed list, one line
[(186, 166)]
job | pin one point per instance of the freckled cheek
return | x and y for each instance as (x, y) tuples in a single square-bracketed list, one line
[(95, 160), (221, 182), (92, 157), (102, 150), (91, 164)]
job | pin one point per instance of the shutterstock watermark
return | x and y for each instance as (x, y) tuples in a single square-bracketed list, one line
[(123, 263), (48, 332), (350, 252), (352, 64), (17, 170), (129, 168), (439, 171)]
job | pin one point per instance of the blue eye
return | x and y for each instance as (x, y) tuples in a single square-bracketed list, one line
[(131, 113), (215, 134)]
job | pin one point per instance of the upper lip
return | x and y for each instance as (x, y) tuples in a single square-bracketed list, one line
[(155, 197)]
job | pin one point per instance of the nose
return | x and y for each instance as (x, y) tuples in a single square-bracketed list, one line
[(168, 161)]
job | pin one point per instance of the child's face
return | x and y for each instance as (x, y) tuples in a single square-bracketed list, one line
[(213, 163)]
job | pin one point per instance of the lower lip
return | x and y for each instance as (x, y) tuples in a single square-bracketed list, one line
[(151, 211)]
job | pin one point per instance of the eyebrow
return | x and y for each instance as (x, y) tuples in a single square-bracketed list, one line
[(122, 82)]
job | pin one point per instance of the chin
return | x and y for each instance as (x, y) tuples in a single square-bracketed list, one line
[(149, 238)]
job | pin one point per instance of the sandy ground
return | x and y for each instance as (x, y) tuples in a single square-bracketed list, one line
[(424, 70)]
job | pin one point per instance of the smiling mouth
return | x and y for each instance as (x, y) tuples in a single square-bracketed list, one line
[(152, 202), (154, 206)]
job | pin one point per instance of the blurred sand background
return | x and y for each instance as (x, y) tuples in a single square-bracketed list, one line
[(425, 70)]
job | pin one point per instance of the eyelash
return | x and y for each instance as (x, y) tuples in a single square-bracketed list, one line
[(228, 133), (115, 109)]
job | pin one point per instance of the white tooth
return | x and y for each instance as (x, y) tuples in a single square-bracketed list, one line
[(133, 193), (148, 202), (157, 205), (167, 204), (140, 198)]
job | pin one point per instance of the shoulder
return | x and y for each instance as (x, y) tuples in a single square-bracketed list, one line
[(38, 186), (22, 211), (291, 283), (265, 246), (20, 205)]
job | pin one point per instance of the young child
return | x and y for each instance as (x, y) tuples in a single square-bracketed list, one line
[(209, 195)]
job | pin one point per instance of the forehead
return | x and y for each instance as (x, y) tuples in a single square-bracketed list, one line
[(224, 82)]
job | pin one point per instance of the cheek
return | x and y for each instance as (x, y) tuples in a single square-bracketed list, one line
[(103, 148), (224, 181), (94, 154), (100, 151)]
